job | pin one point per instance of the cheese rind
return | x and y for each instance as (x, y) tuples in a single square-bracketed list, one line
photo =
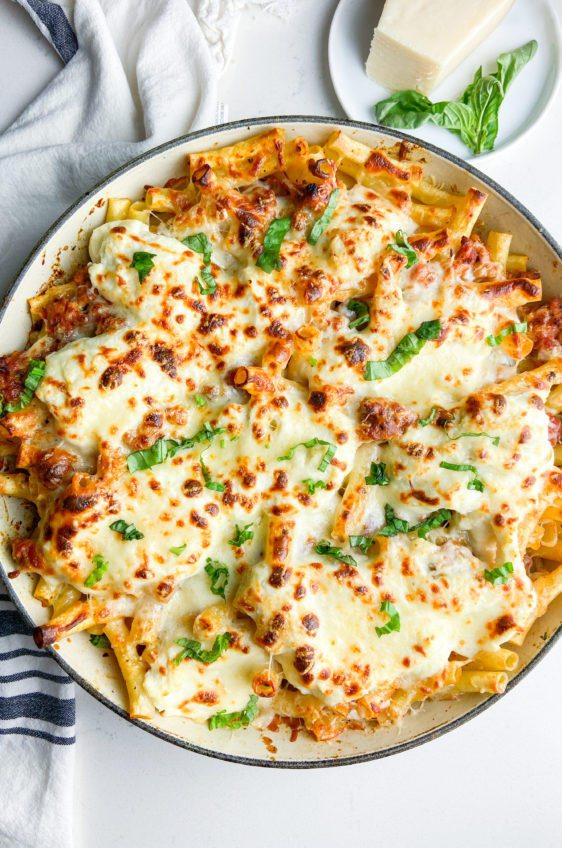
[(417, 45)]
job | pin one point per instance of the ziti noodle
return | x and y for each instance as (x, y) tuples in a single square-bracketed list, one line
[(290, 439)]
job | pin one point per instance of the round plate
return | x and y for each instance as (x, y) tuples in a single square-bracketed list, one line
[(526, 101), (63, 248)]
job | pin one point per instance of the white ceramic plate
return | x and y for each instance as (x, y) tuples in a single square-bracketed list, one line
[(526, 101), (98, 674)]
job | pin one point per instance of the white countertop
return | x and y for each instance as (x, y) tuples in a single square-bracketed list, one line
[(493, 782)]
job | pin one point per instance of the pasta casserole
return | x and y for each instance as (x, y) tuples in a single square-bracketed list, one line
[(292, 438)]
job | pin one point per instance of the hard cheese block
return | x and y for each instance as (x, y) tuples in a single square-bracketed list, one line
[(417, 44)]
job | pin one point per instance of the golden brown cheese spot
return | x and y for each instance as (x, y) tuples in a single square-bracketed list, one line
[(381, 419)]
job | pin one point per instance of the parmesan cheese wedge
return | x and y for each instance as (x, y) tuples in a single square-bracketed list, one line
[(417, 44)]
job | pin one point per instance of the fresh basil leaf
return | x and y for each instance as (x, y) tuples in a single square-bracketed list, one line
[(325, 218), (499, 576), (142, 263), (241, 535), (326, 459), (393, 623), (377, 476), (34, 375), (362, 542), (457, 436), (165, 449), (393, 525), (199, 243), (100, 567), (312, 362), (200, 401), (325, 549), (210, 286), (475, 483), (127, 531), (512, 63), (494, 341), (362, 314), (436, 519), (209, 482), (193, 649), (100, 640), (404, 248), (178, 549), (312, 485), (405, 350), (218, 575), (235, 720), (405, 109), (269, 258)]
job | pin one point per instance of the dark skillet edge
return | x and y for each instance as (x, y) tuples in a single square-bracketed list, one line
[(90, 194)]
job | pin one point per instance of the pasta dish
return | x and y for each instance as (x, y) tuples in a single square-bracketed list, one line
[(292, 438)]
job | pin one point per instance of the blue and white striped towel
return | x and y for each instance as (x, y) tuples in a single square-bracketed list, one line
[(137, 73)]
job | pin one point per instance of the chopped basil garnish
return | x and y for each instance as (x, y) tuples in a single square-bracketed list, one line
[(200, 401), (499, 576), (395, 525), (209, 482), (475, 483), (494, 341), (404, 351), (404, 248), (363, 542), (218, 575), (436, 519), (199, 243), (423, 422), (362, 315), (34, 375), (312, 485), (325, 218), (210, 286), (325, 549), (377, 476), (269, 258), (394, 621), (235, 720), (312, 362), (178, 549), (326, 459), (100, 640), (127, 531), (241, 535), (142, 263), (165, 449), (100, 567), (193, 650), (495, 439)]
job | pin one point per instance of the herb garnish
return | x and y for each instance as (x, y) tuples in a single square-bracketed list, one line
[(312, 485), (100, 640), (393, 622), (325, 549), (209, 482), (326, 459), (127, 531), (235, 720), (242, 535), (165, 449), (199, 243), (218, 575), (475, 483), (395, 525), (193, 650), (100, 567), (377, 476), (404, 248), (269, 258), (362, 314), (499, 576), (494, 341), (362, 542), (200, 401), (142, 263), (325, 218), (178, 549), (34, 375), (404, 351), (474, 117)]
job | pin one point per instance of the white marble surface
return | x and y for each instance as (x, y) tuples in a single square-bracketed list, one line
[(493, 782)]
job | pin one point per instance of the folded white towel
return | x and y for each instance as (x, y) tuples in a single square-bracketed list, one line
[(137, 73)]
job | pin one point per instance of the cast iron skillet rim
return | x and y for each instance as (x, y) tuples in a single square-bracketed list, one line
[(170, 737)]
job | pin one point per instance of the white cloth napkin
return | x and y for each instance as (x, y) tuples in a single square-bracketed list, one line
[(137, 73)]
